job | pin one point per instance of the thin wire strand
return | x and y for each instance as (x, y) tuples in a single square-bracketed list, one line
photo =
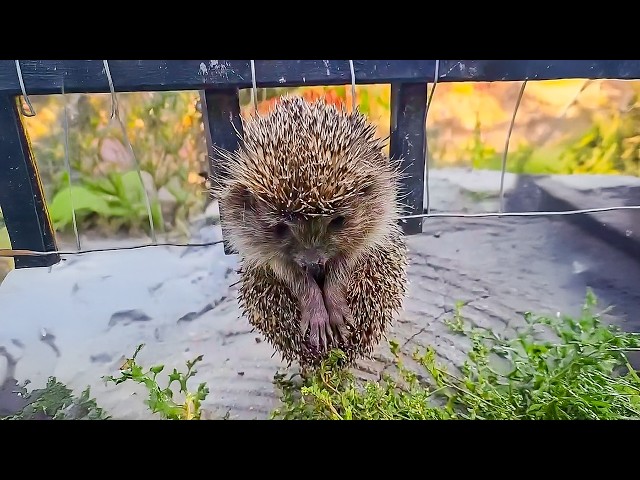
[(114, 98), (575, 98), (254, 87), (426, 142), (32, 111), (7, 252), (353, 86), (506, 145), (522, 214), (68, 165), (115, 114)]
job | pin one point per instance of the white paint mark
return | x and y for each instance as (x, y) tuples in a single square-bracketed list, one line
[(213, 63), (281, 80), (203, 69), (326, 64)]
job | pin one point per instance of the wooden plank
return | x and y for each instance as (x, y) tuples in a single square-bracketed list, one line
[(221, 118), (45, 76), (21, 195), (408, 117)]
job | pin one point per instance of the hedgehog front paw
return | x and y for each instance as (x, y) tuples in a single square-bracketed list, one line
[(314, 318), (338, 310)]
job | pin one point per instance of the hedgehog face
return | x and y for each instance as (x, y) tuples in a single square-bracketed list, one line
[(261, 231)]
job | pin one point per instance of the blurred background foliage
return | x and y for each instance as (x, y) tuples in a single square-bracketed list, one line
[(563, 126)]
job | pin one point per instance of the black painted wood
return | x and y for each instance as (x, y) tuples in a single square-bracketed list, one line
[(45, 76), (21, 196), (408, 117), (222, 123)]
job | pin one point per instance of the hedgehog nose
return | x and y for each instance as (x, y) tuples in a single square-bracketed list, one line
[(311, 257)]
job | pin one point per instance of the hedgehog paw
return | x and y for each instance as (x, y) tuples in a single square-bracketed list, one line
[(339, 312), (314, 318)]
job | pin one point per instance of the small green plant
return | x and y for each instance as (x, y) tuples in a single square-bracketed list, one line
[(581, 373), (161, 400), (56, 402), (332, 393)]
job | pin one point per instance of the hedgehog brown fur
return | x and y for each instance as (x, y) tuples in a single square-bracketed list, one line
[(298, 169)]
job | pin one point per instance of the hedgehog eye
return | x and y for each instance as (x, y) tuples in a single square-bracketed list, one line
[(337, 222), (281, 229)]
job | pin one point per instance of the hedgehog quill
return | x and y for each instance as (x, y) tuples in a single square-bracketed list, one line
[(310, 202)]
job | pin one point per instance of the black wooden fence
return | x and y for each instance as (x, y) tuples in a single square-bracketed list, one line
[(21, 195)]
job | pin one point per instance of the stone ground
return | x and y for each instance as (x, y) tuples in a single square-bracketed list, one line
[(78, 319)]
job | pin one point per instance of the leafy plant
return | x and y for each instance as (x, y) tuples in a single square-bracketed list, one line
[(117, 198), (166, 132), (161, 400), (56, 402), (582, 373)]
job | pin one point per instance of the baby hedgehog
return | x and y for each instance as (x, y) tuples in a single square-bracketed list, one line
[(310, 202)]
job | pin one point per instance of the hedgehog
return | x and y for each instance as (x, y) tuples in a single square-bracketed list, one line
[(310, 202)]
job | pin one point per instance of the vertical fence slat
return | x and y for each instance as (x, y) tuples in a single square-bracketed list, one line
[(408, 116), (221, 117), (21, 194)]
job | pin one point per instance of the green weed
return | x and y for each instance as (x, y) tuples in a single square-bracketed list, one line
[(581, 373), (161, 400)]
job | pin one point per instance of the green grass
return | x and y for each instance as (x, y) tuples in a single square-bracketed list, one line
[(553, 368), (582, 373)]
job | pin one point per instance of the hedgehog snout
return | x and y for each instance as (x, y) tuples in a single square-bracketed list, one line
[(313, 262), (311, 257)]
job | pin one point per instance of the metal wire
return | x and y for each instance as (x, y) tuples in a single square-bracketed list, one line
[(522, 214), (115, 114), (353, 86), (32, 111), (7, 252), (68, 165), (426, 143), (254, 86), (506, 145)]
